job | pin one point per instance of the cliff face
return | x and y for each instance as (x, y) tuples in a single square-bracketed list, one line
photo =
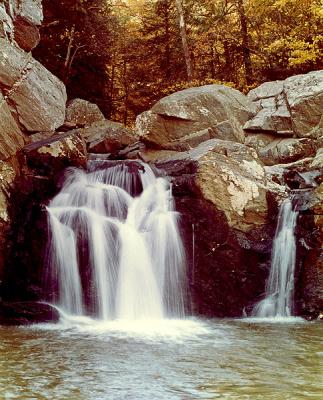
[(231, 158)]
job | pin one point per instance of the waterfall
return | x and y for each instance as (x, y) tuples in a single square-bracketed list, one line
[(114, 247), (280, 285)]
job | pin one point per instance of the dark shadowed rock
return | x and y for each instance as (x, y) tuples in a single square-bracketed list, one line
[(26, 313), (80, 112), (51, 156), (228, 261), (186, 118)]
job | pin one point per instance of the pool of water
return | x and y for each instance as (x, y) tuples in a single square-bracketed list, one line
[(189, 359)]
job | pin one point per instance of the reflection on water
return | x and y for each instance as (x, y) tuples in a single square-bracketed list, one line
[(181, 360)]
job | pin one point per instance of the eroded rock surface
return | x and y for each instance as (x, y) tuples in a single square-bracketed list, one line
[(184, 119), (80, 112)]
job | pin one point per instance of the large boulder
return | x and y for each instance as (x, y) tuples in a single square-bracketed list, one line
[(80, 112), (107, 137), (290, 107), (304, 95), (186, 118), (35, 95), (231, 177), (227, 212)]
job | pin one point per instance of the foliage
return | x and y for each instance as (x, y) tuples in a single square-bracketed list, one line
[(126, 54)]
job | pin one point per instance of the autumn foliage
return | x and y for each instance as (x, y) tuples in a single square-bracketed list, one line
[(125, 55)]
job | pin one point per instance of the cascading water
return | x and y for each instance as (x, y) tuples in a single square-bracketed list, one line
[(114, 249), (280, 286)]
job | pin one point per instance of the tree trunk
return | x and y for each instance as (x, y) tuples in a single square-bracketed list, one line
[(245, 42), (182, 27)]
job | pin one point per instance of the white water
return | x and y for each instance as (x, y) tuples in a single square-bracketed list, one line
[(278, 302), (115, 253)]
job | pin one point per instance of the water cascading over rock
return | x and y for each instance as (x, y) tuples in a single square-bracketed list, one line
[(280, 285), (114, 250)]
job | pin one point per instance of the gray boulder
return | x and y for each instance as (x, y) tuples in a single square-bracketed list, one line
[(80, 112), (186, 118), (37, 97)]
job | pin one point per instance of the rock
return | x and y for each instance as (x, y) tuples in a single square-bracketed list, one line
[(290, 107), (228, 214), (37, 97), (19, 22), (231, 177), (273, 117), (6, 23), (28, 312), (304, 94), (318, 159), (107, 137), (82, 113), (11, 137), (266, 90), (27, 35), (8, 174), (282, 151), (51, 156), (186, 118)]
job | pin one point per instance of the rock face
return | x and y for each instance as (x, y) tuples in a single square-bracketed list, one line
[(80, 112), (184, 119), (228, 215), (25, 313), (290, 107), (35, 95), (11, 137), (8, 173), (107, 137), (19, 22), (51, 156)]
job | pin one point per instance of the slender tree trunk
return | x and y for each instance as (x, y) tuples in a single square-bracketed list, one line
[(245, 42), (182, 27)]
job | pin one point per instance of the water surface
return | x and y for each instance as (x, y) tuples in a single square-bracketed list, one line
[(166, 360)]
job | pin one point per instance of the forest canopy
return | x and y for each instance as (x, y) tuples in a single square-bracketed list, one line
[(126, 54)]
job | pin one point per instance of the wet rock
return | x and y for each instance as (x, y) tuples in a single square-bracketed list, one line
[(186, 118), (228, 260), (8, 173), (26, 313), (51, 156), (80, 112), (35, 95), (107, 137)]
